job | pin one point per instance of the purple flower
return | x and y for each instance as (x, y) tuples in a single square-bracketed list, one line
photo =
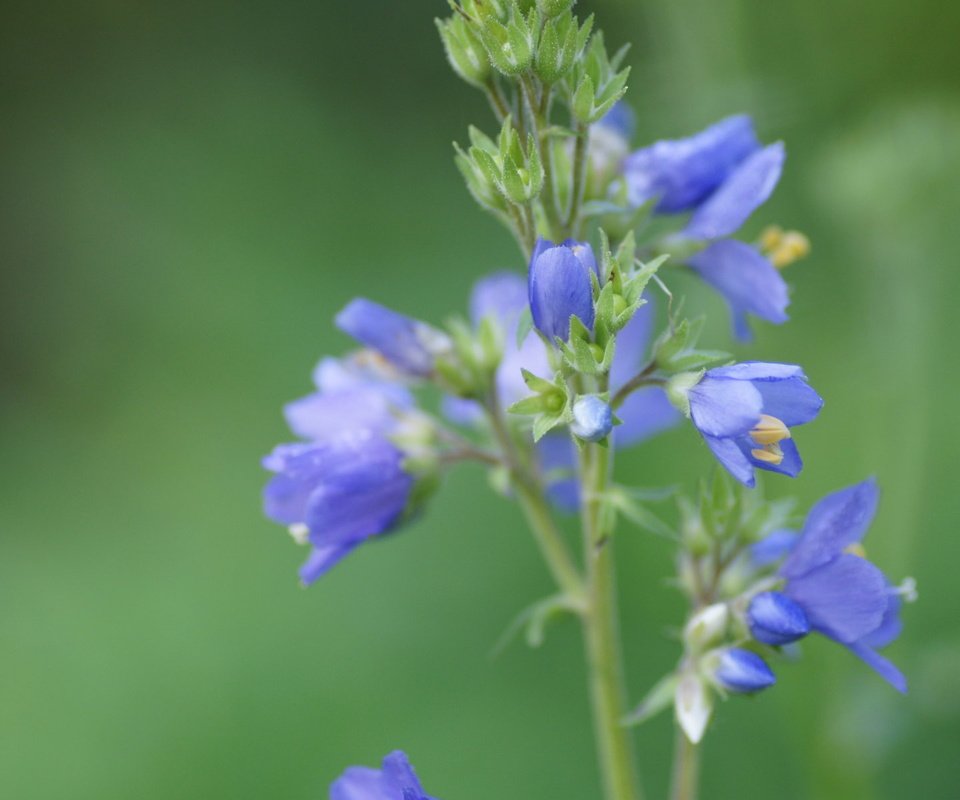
[(743, 672), (843, 596), (557, 459), (396, 780), (410, 345), (744, 413), (560, 287), (338, 493), (681, 173), (351, 396)]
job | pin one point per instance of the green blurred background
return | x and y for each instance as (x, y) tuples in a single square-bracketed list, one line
[(188, 193)]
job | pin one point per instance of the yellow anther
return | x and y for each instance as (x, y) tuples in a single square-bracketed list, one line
[(855, 549), (783, 247), (768, 453), (770, 238), (769, 430)]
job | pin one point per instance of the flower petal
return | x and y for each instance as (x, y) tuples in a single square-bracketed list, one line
[(724, 407), (844, 599), (681, 173), (838, 520), (792, 400), (791, 464), (730, 455), (748, 187), (884, 668), (322, 559), (757, 371), (359, 783), (746, 279)]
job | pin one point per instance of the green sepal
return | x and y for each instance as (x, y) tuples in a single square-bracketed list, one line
[(678, 388), (524, 325), (659, 698), (464, 49), (629, 503), (534, 620)]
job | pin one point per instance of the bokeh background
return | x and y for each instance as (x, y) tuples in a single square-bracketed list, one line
[(189, 192)]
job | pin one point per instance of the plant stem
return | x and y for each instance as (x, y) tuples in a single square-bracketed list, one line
[(578, 182), (538, 120), (686, 768), (536, 509), (642, 378), (601, 635), (498, 102)]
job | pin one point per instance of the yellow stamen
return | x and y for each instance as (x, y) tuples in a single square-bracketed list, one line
[(783, 247), (769, 454), (769, 430), (855, 549)]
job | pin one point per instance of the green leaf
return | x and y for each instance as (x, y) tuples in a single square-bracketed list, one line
[(545, 423), (630, 507), (534, 620)]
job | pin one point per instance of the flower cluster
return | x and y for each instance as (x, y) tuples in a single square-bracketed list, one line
[(582, 350)]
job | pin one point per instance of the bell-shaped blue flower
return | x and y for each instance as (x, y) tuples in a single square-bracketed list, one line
[(844, 596), (339, 492), (560, 288), (775, 619), (742, 671), (410, 345), (396, 780), (592, 418), (745, 412)]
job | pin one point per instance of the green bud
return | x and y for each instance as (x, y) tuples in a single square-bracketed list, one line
[(464, 50), (553, 8)]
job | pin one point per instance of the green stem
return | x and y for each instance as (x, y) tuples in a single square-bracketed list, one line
[(686, 768), (579, 180), (498, 102), (536, 509), (601, 635), (536, 112)]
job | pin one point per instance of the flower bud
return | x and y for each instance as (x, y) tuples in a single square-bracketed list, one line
[(693, 706), (553, 8), (742, 672), (592, 419), (560, 287), (465, 51), (775, 619), (706, 627)]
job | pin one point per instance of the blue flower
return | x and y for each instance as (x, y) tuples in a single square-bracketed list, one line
[(772, 548), (396, 780), (592, 418), (681, 173), (843, 596), (721, 174), (742, 671), (410, 345), (744, 413), (559, 286), (351, 396), (337, 493)]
